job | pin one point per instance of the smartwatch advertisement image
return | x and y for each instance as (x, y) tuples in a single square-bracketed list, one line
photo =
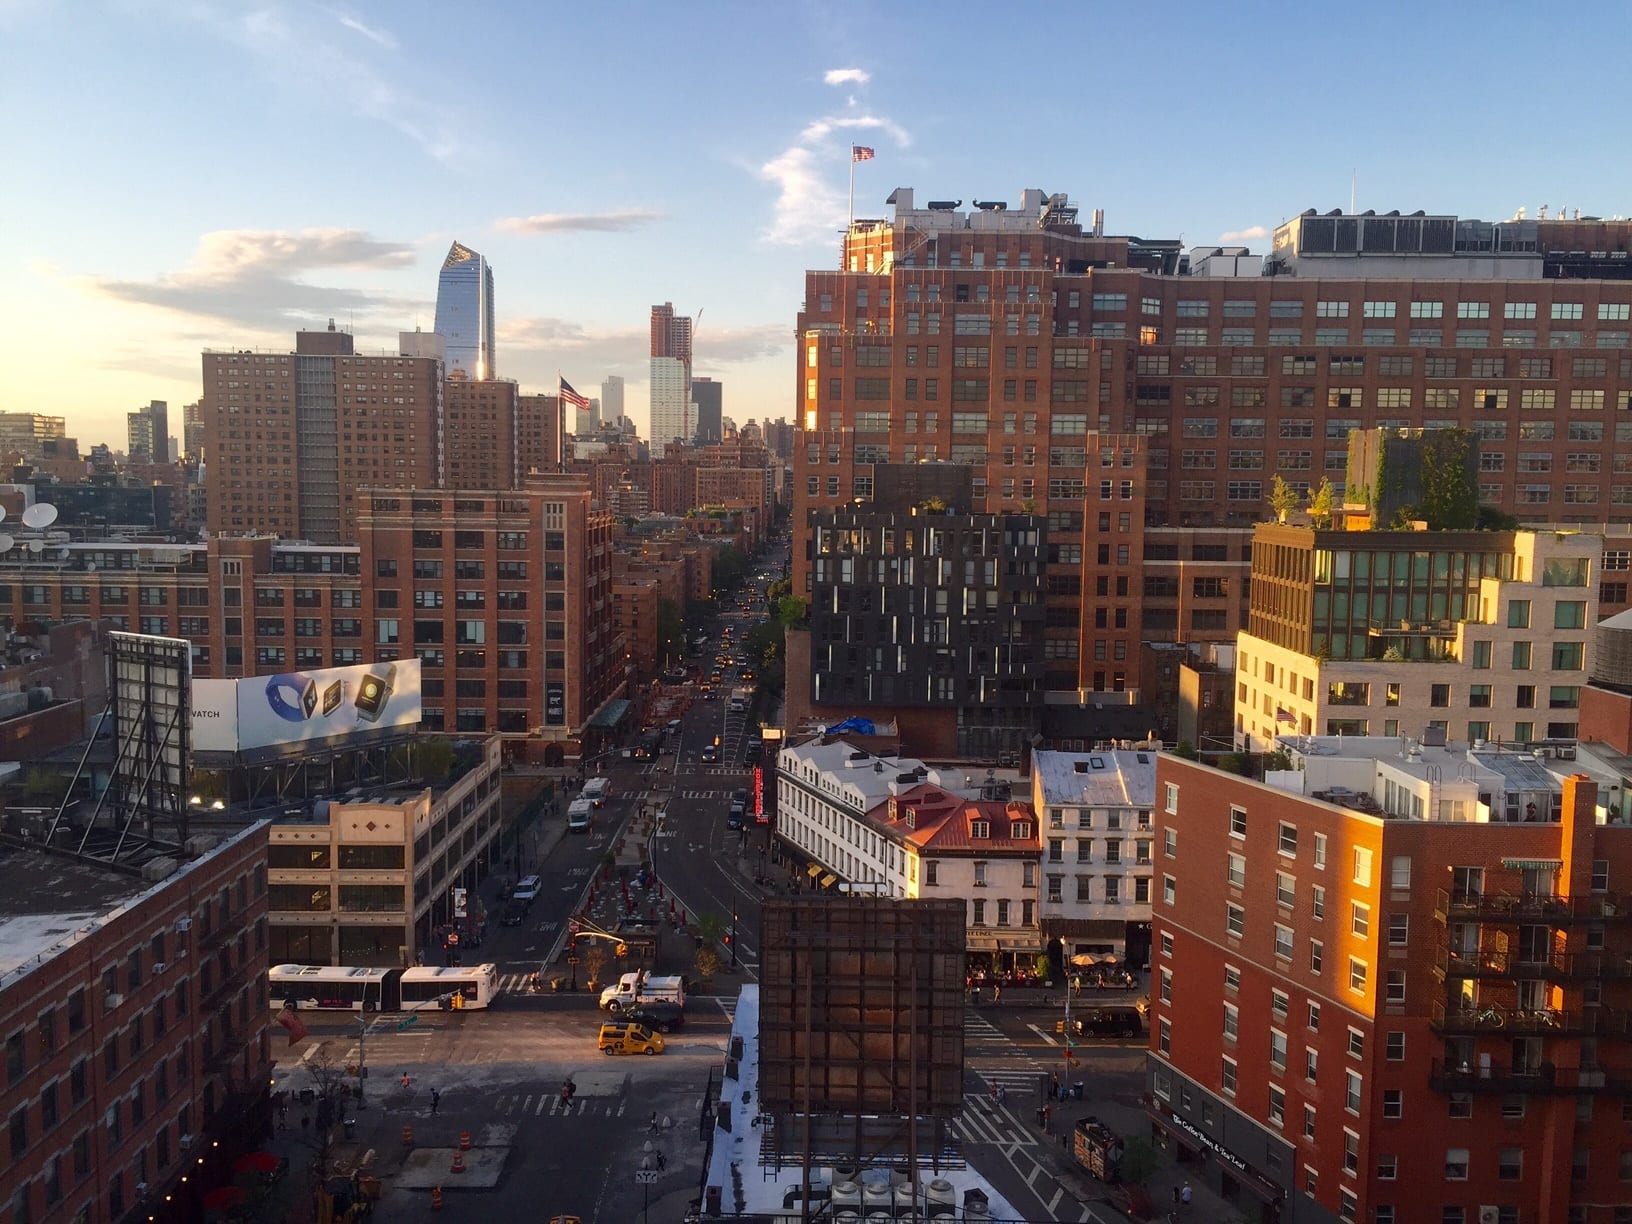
[(326, 705)]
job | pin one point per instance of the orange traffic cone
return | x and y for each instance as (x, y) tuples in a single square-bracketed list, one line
[(464, 1141), (458, 1162), (407, 1136), (436, 1198)]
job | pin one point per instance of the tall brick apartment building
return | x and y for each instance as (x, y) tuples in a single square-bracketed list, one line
[(1007, 339), (504, 596), (293, 438), (1403, 996), (135, 1021)]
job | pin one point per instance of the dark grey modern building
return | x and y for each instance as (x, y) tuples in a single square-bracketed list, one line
[(707, 397), (931, 608)]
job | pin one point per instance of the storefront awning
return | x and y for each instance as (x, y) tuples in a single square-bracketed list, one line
[(610, 715), (814, 870), (1020, 943), (980, 943), (1524, 864)]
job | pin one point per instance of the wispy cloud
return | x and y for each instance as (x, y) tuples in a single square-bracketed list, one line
[(296, 49), (731, 345), (255, 279), (383, 37), (616, 221), (810, 198), (572, 345), (1244, 235), (846, 76), (541, 343), (823, 127)]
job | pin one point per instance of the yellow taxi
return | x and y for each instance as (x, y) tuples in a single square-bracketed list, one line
[(629, 1039)]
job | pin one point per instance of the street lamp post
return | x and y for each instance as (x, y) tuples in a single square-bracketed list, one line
[(733, 936), (362, 1039)]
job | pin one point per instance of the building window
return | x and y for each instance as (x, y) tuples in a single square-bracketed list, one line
[(1235, 920), (1456, 1164)]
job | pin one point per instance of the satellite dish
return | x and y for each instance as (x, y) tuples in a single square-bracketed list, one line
[(2, 514), (40, 516), (6, 543), (36, 546)]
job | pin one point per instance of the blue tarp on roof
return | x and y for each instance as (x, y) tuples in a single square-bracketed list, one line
[(861, 726)]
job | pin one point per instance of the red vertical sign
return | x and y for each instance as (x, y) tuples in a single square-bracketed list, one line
[(759, 795)]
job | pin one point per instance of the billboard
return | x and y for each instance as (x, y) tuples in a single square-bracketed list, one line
[(861, 1006), (151, 726), (328, 705)]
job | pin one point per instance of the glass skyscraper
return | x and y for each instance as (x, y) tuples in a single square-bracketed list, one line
[(464, 312)]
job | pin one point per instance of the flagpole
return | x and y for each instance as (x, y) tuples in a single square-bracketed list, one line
[(852, 219)]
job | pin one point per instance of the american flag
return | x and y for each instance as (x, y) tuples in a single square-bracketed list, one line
[(570, 395), (860, 153)]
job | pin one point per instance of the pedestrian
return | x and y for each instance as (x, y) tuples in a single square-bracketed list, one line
[(662, 1161), (1175, 1196), (1054, 1084), (436, 1100), (1184, 1195), (651, 1126), (1002, 1095), (406, 1080), (997, 994), (1048, 1117)]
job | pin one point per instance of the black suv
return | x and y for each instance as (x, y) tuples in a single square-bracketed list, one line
[(513, 914), (656, 1014), (1107, 1022)]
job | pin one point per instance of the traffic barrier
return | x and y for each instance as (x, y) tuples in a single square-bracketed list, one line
[(407, 1136), (464, 1141), (436, 1198), (458, 1162)]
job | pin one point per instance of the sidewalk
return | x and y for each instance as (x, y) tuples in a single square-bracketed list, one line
[(1125, 1115)]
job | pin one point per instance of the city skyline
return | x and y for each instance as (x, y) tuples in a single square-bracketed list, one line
[(598, 212)]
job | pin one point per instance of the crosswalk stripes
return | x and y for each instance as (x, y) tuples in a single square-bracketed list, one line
[(549, 1105), (982, 1120)]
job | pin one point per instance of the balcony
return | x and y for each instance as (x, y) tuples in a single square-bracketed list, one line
[(1544, 1078), (1557, 967), (1537, 908), (1530, 1022)]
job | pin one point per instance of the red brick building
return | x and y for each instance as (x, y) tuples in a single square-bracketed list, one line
[(291, 437), (524, 574), (1003, 338), (1386, 1002), (135, 1020)]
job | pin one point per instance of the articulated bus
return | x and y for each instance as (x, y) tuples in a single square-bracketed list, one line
[(345, 988)]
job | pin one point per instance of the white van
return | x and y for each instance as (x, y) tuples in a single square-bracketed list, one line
[(526, 889), (596, 790), (579, 813)]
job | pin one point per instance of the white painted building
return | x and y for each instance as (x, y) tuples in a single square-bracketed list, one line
[(824, 792), (1094, 809), (1509, 669)]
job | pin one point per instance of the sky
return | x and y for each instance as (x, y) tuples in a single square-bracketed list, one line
[(177, 175)]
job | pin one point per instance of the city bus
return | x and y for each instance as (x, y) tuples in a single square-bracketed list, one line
[(349, 988)]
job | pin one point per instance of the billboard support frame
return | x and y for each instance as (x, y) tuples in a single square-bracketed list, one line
[(149, 691)]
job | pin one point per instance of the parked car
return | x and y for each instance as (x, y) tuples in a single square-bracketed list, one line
[(657, 1015)]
